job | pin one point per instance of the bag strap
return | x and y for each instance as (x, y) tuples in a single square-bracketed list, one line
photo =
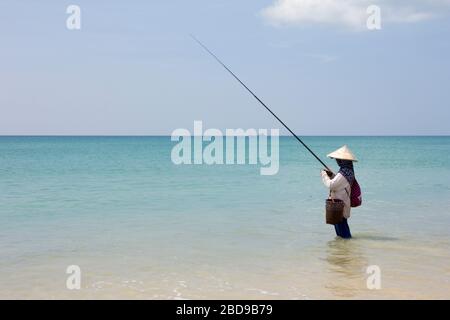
[(348, 194), (351, 185)]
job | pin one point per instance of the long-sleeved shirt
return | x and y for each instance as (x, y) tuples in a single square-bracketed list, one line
[(338, 186)]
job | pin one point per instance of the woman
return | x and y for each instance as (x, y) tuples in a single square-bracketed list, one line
[(340, 185)]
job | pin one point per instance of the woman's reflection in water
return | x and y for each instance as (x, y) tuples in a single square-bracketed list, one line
[(346, 268)]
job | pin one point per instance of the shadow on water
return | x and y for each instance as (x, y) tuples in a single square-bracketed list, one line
[(374, 237), (346, 267)]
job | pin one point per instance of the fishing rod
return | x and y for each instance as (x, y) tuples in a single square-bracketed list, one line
[(260, 101)]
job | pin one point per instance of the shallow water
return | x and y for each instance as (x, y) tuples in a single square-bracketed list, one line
[(141, 227)]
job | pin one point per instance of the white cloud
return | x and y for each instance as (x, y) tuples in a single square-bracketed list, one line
[(350, 13), (323, 58)]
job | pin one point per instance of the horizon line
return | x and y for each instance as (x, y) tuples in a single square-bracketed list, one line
[(166, 135)]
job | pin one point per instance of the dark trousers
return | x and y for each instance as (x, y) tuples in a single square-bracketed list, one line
[(343, 230)]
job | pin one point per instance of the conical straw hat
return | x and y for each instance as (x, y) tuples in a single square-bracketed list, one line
[(343, 153)]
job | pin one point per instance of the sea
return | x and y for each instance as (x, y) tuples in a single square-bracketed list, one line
[(134, 225)]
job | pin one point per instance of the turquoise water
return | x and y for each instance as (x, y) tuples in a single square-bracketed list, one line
[(141, 227)]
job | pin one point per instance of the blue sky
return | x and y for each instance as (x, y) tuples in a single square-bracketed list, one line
[(132, 69)]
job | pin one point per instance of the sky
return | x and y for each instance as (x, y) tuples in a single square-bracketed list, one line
[(132, 68)]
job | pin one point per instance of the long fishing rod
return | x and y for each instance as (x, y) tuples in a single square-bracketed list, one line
[(260, 101)]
